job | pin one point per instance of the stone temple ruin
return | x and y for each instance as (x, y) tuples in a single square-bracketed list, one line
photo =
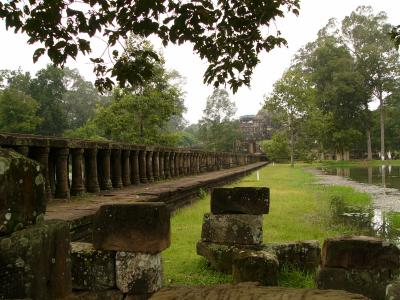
[(232, 239), (120, 256)]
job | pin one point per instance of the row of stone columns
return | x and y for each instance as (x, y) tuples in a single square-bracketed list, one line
[(95, 169)]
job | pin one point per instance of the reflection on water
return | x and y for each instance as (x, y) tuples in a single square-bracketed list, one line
[(384, 175), (366, 220)]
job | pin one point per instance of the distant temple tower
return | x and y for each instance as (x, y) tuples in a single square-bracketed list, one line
[(255, 128)]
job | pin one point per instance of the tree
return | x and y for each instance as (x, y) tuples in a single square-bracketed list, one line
[(217, 129), (367, 36), (18, 112), (288, 102), (48, 89), (80, 99), (276, 148), (339, 90), (228, 34), (148, 113)]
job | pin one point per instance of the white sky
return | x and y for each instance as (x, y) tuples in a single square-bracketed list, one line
[(314, 14)]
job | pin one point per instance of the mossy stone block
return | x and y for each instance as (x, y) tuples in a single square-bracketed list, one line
[(23, 198), (92, 269)]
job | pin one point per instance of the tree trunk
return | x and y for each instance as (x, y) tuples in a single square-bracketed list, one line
[(381, 108), (369, 144), (292, 149)]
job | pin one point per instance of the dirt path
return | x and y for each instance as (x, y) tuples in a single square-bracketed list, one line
[(385, 199)]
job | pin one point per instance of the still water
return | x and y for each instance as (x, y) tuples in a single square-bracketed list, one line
[(365, 219)]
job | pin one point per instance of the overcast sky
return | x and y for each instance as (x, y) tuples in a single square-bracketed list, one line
[(314, 14)]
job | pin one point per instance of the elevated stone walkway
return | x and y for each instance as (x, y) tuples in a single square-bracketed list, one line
[(175, 193)]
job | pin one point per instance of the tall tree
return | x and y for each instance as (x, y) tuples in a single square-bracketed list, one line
[(339, 91), (18, 112), (289, 101), (143, 113), (48, 89), (217, 129), (228, 33), (368, 37)]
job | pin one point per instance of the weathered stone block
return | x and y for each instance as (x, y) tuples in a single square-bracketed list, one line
[(258, 266), (371, 283), (393, 290), (35, 262), (138, 273), (92, 270), (360, 252), (96, 295), (138, 227), (240, 200), (23, 198), (250, 290), (232, 229), (303, 255), (219, 256)]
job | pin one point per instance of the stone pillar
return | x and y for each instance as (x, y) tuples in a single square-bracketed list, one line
[(197, 163), (62, 186), (41, 155), (52, 173), (77, 187), (188, 166), (91, 179), (116, 178), (126, 170), (24, 150), (149, 166), (177, 161), (182, 164), (105, 178), (167, 171), (172, 163), (135, 175), (142, 166), (161, 164), (156, 166)]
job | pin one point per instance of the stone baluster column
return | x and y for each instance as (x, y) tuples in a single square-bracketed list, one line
[(62, 186), (105, 178), (190, 163), (126, 169), (135, 175), (91, 179), (161, 162), (116, 172), (149, 166), (41, 155), (52, 173), (143, 166), (172, 163), (197, 163), (77, 186), (177, 163), (167, 171), (187, 164), (156, 166), (182, 164)]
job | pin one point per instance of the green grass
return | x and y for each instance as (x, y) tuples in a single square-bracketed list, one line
[(299, 210)]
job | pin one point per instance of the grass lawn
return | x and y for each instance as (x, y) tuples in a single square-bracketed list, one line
[(299, 210)]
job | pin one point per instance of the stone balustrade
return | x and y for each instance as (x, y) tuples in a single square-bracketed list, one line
[(73, 166)]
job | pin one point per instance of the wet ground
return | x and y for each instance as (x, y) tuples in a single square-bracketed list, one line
[(382, 216)]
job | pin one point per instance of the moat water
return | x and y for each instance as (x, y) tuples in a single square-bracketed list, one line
[(370, 219)]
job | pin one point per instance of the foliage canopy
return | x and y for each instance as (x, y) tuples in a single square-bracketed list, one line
[(229, 34)]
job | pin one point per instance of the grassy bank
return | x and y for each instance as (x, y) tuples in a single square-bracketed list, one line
[(300, 210)]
